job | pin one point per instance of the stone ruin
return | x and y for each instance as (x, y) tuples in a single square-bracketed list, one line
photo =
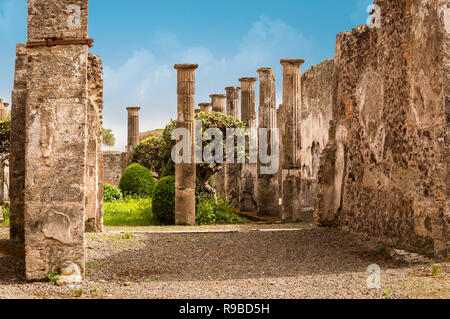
[(365, 136)]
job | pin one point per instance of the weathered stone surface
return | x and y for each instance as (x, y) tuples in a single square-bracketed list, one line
[(205, 107), (17, 157), (114, 164), (133, 129), (385, 169), (317, 88), (94, 183), (56, 142), (290, 151), (185, 173), (249, 172), (233, 170), (268, 195)]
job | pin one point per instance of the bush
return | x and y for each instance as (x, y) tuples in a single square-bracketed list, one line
[(146, 154), (111, 194), (137, 180), (164, 200), (210, 211)]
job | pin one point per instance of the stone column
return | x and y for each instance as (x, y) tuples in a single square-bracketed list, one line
[(268, 189), (185, 173), (219, 105), (249, 173), (56, 138), (205, 107), (3, 117), (17, 157), (94, 183), (3, 110), (291, 147), (133, 130), (233, 170)]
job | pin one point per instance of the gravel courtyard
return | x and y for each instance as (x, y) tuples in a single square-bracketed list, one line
[(245, 261)]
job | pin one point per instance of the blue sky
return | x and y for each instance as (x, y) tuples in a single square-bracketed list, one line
[(140, 41)]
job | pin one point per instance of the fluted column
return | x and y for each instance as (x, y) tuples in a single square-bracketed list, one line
[(185, 173), (233, 170), (268, 190), (249, 173), (133, 129), (290, 153)]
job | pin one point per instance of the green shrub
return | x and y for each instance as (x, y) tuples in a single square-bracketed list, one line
[(210, 211), (164, 200), (111, 194), (5, 211), (137, 180)]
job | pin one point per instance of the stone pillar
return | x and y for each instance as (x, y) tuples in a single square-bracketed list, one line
[(94, 183), (268, 195), (17, 157), (249, 173), (205, 107), (3, 117), (233, 170), (133, 130), (56, 138), (219, 105), (291, 147), (185, 173), (3, 110)]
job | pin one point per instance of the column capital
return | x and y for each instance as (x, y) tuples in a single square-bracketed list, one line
[(204, 104), (248, 79), (132, 109), (232, 89), (185, 66), (217, 96), (292, 61)]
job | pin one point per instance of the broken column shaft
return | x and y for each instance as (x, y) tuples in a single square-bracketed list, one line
[(291, 147), (205, 107), (249, 173), (185, 173), (267, 189)]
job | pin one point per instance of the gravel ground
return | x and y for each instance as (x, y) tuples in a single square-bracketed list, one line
[(279, 261)]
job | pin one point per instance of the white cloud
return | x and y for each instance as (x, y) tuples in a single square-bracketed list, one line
[(150, 82)]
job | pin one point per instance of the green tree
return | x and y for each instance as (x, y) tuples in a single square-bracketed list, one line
[(108, 138), (156, 154)]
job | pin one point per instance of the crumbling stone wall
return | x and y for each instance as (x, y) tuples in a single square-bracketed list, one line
[(385, 169), (316, 114), (94, 167), (17, 148), (114, 164)]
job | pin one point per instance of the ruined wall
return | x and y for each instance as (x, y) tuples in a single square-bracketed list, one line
[(114, 164), (316, 114), (94, 183), (17, 157), (385, 169)]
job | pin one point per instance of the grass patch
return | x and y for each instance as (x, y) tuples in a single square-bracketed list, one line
[(5, 212), (130, 212)]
